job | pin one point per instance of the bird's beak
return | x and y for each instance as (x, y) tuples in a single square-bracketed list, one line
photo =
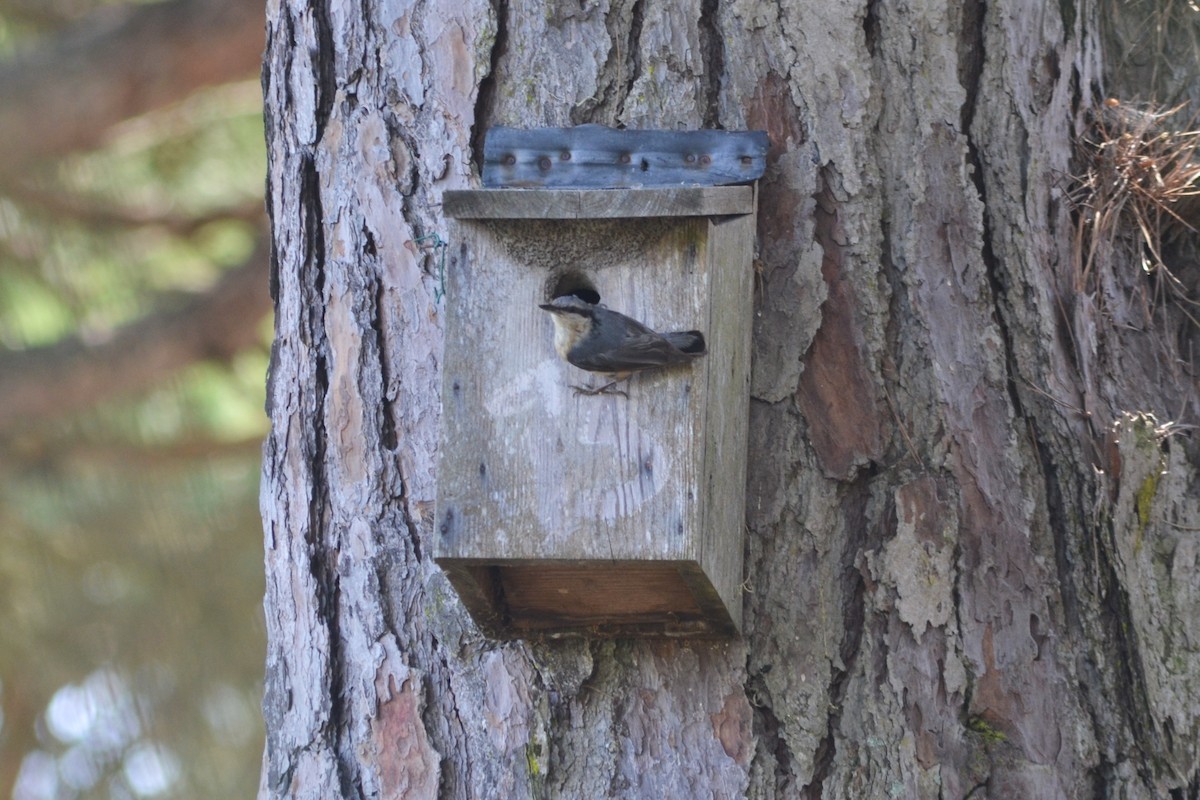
[(547, 307)]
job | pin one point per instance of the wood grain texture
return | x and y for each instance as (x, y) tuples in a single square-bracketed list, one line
[(532, 471), (563, 599)]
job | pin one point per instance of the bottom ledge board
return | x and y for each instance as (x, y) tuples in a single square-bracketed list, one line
[(610, 599)]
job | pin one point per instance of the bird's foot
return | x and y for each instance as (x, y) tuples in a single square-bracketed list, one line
[(605, 389)]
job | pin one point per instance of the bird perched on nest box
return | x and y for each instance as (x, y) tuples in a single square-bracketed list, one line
[(601, 340)]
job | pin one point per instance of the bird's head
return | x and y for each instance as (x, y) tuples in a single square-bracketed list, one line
[(568, 305), (572, 321)]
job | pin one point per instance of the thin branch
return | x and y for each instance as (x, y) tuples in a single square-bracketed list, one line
[(71, 376), (97, 213), (119, 455), (117, 64)]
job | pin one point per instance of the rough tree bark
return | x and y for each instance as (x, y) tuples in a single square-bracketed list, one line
[(971, 556)]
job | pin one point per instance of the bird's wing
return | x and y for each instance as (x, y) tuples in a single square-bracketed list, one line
[(643, 351), (614, 321)]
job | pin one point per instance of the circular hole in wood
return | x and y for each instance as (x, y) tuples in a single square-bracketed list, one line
[(572, 283)]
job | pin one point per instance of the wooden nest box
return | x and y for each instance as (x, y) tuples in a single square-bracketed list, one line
[(561, 513)]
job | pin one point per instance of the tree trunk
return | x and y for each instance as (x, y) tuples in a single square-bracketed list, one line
[(971, 545)]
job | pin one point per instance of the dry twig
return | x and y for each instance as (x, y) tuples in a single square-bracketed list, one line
[(1141, 183)]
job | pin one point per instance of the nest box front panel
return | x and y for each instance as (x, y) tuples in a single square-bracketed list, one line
[(532, 469)]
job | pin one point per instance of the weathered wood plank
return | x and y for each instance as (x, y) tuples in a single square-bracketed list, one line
[(590, 598), (595, 156), (549, 502), (690, 201), (728, 408)]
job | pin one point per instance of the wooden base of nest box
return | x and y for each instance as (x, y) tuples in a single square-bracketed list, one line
[(590, 598)]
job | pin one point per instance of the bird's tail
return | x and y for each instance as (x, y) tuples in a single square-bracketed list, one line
[(690, 342)]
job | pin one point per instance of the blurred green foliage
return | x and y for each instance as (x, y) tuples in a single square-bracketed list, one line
[(131, 639), (98, 239)]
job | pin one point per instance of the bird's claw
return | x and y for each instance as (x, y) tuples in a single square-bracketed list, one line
[(605, 389)]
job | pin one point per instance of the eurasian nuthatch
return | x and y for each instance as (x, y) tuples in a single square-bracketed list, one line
[(601, 340)]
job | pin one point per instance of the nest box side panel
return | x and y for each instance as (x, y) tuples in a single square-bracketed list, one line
[(531, 470), (730, 321)]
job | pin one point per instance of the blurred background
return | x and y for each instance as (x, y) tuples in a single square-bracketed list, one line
[(134, 328)]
